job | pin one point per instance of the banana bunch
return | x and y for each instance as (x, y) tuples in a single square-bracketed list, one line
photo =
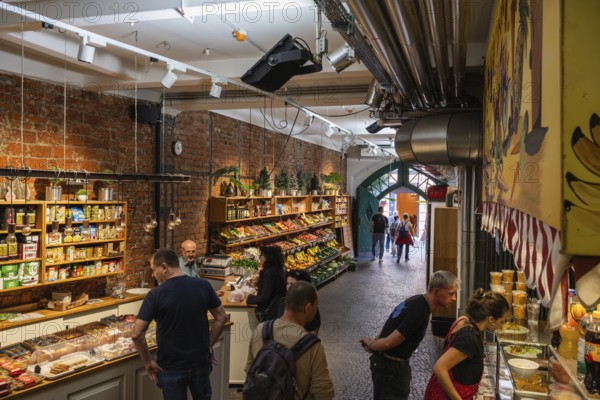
[(290, 262), (310, 259), (587, 192), (332, 243), (586, 150), (313, 251)]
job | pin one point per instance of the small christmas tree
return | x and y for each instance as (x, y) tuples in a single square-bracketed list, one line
[(314, 183), (293, 183), (263, 180), (301, 179), (282, 181)]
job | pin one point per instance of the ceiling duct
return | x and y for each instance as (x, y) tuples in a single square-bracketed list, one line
[(404, 17), (458, 18), (377, 28), (432, 20), (442, 139)]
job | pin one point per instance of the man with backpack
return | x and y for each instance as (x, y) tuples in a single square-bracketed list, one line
[(379, 224), (284, 361), (404, 237)]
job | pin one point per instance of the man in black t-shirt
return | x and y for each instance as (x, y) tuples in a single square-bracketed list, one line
[(179, 306), (401, 335), (379, 225)]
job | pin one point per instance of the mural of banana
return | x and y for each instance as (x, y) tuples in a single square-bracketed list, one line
[(587, 192), (595, 127), (586, 221), (587, 152)]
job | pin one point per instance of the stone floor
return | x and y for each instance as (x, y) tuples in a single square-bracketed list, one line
[(357, 304)]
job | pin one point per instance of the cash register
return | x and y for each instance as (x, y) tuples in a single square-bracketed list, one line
[(216, 265)]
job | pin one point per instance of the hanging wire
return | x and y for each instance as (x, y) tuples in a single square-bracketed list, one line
[(65, 108), (135, 119), (26, 228), (22, 93)]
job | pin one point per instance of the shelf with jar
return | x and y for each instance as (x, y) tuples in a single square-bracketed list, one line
[(240, 209), (342, 210), (50, 235)]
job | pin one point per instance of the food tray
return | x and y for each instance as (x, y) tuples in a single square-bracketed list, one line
[(41, 341), (122, 347), (72, 362)]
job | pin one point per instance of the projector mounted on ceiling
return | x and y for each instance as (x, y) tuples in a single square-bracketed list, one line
[(283, 61)]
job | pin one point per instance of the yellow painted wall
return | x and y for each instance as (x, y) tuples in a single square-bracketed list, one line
[(522, 103), (581, 127)]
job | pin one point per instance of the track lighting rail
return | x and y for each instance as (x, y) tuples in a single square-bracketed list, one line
[(73, 174)]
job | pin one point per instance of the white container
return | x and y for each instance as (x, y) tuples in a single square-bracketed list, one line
[(105, 194), (523, 368), (53, 193)]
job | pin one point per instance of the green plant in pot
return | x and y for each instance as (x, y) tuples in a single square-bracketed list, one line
[(82, 195), (314, 185), (233, 188), (263, 180), (54, 190), (293, 184), (301, 182), (332, 182), (105, 191), (282, 183)]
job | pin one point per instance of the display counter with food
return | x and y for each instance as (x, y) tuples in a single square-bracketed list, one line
[(88, 358)]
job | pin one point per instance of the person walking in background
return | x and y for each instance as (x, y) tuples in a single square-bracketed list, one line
[(389, 236), (458, 371), (311, 373), (401, 335), (379, 224), (404, 237), (271, 283), (187, 259), (392, 234), (185, 346), (413, 222)]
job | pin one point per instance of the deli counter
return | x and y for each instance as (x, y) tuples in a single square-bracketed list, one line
[(86, 353)]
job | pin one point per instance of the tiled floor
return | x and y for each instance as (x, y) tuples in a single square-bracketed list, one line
[(356, 305)]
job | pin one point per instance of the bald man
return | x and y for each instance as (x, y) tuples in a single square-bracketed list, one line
[(187, 259)]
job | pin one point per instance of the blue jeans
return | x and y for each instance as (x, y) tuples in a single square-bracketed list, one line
[(388, 239), (405, 251), (175, 384), (391, 379), (378, 237)]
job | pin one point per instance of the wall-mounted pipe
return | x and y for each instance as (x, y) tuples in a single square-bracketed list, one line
[(458, 18)]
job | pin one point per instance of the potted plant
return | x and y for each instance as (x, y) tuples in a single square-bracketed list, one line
[(105, 190), (332, 181), (54, 191), (293, 184), (301, 182), (282, 183), (314, 185), (264, 182), (82, 194)]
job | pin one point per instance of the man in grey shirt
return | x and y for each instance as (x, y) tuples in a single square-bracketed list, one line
[(187, 259)]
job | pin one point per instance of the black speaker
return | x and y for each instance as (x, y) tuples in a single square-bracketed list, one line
[(279, 65), (146, 113)]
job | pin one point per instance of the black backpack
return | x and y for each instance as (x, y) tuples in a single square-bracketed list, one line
[(402, 231), (272, 373)]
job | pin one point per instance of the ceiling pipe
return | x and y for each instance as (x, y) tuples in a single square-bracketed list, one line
[(404, 17), (433, 21), (458, 21), (376, 27)]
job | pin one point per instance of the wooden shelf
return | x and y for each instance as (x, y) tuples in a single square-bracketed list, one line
[(94, 221), (33, 230), (230, 221), (273, 236), (84, 243), (81, 278), (78, 261), (18, 261)]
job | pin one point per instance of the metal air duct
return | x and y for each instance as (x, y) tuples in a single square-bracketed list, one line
[(370, 16), (458, 18), (442, 139), (404, 16)]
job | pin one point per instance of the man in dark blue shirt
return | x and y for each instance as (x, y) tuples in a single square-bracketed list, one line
[(401, 335), (179, 305)]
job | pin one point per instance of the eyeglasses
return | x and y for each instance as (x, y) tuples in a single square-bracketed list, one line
[(189, 251)]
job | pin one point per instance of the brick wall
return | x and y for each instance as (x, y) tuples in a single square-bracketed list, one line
[(100, 135)]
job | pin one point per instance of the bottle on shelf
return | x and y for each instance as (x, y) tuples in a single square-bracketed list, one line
[(569, 331), (592, 355), (584, 324)]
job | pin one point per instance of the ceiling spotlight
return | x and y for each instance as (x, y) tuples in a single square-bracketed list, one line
[(308, 119), (374, 127), (374, 95), (86, 52), (169, 78), (349, 140), (370, 149), (341, 58), (377, 151), (329, 132)]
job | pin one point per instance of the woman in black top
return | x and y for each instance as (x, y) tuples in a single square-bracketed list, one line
[(458, 371), (294, 276), (271, 283)]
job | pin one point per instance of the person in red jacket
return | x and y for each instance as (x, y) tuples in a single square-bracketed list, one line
[(404, 237)]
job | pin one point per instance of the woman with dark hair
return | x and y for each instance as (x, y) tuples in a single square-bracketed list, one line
[(458, 371), (271, 283), (294, 276)]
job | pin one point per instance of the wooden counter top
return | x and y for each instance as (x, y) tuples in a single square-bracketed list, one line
[(51, 314)]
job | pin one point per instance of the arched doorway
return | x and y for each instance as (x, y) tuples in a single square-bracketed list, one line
[(379, 184)]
